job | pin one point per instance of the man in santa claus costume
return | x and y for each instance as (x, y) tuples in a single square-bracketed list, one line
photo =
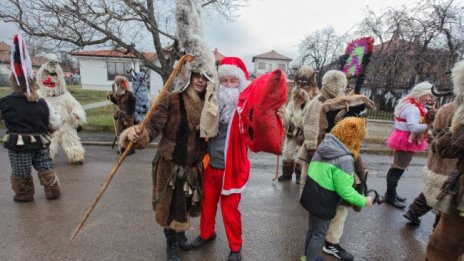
[(233, 79), (305, 90)]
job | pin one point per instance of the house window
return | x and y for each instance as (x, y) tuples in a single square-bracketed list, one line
[(261, 66), (117, 68), (270, 67), (282, 66)]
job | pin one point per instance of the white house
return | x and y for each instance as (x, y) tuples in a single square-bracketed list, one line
[(99, 67), (268, 62)]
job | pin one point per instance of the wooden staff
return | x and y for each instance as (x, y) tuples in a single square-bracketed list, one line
[(277, 169), (163, 92)]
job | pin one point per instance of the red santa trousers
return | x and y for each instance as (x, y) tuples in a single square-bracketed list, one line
[(212, 186)]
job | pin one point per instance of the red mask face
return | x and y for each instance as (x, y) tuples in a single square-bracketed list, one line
[(49, 82)]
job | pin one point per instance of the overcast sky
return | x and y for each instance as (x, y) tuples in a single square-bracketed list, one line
[(279, 25)]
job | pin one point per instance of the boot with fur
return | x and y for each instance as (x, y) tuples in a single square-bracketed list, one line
[(51, 184), (287, 170), (23, 188)]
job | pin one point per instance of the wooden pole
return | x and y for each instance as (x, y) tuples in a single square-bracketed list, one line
[(277, 169), (163, 92)]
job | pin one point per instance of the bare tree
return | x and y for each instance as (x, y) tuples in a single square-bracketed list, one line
[(134, 25), (319, 49), (419, 42)]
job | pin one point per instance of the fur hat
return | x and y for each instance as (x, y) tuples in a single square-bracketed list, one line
[(234, 66), (351, 131), (305, 76), (189, 33), (334, 83), (122, 81)]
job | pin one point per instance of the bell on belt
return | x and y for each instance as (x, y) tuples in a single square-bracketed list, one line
[(33, 140), (20, 141), (6, 138)]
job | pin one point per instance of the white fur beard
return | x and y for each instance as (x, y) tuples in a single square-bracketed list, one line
[(228, 100), (52, 92), (299, 96)]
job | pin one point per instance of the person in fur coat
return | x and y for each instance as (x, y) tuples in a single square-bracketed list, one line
[(447, 240), (437, 170), (50, 79), (124, 98), (304, 91), (334, 83), (178, 167)]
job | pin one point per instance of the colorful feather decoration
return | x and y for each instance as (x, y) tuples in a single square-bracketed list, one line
[(356, 58)]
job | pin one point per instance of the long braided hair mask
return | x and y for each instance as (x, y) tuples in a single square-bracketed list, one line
[(351, 131)]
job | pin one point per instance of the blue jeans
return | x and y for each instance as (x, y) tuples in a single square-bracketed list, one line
[(315, 237)]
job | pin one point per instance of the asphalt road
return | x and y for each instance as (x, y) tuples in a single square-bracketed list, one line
[(122, 226)]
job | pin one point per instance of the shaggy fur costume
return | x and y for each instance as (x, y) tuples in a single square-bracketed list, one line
[(304, 91), (333, 85), (438, 169), (50, 79), (171, 209), (447, 240)]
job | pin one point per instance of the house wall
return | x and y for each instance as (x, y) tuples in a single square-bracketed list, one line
[(270, 66), (4, 72), (94, 74)]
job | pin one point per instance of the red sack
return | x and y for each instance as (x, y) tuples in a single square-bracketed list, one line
[(257, 106)]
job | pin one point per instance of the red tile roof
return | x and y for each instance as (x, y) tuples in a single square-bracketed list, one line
[(118, 53), (5, 56), (272, 55), (121, 53)]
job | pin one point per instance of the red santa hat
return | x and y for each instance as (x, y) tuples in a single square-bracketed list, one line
[(233, 66)]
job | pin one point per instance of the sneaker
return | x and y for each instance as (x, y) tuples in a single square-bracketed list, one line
[(199, 242), (337, 251)]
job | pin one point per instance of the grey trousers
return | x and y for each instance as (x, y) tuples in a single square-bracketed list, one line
[(315, 237)]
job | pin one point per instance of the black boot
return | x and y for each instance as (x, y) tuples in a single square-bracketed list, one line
[(417, 209), (171, 242), (183, 241), (400, 199), (287, 170), (393, 176), (411, 216)]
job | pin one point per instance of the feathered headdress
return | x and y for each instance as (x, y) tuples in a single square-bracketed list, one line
[(21, 64), (356, 58)]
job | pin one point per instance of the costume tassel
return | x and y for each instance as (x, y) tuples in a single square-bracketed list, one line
[(196, 197), (6, 138), (44, 140), (20, 141), (33, 140)]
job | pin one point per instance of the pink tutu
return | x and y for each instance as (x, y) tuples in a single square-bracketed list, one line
[(398, 140)]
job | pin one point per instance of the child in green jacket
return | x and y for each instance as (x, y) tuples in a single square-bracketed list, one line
[(330, 179)]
